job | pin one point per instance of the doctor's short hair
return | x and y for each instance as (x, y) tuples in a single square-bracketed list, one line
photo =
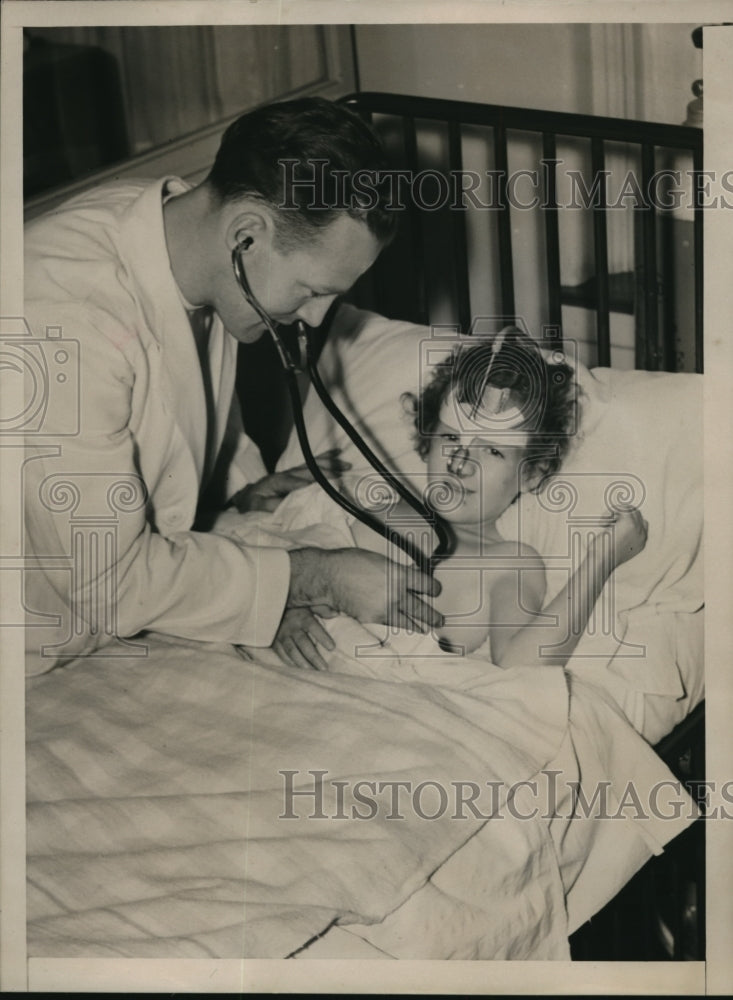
[(300, 158), (543, 389)]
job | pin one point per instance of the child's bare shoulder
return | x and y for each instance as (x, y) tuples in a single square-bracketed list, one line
[(519, 566), (518, 551)]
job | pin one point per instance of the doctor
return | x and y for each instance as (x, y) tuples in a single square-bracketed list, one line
[(129, 289)]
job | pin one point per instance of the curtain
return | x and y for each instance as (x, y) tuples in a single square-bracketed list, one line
[(176, 80)]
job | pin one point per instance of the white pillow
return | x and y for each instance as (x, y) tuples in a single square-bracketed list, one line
[(639, 444)]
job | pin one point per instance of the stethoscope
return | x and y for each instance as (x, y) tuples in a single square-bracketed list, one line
[(308, 362)]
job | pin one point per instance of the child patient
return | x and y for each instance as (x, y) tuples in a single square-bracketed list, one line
[(493, 422)]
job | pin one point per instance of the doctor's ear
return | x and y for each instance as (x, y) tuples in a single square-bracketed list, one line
[(245, 228)]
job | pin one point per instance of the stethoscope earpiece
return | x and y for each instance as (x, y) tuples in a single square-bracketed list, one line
[(241, 275)]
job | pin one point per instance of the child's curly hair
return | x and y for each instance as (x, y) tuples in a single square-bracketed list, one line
[(545, 393)]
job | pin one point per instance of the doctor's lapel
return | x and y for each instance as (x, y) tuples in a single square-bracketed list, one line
[(181, 382)]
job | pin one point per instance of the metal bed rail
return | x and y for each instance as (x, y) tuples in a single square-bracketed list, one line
[(649, 139)]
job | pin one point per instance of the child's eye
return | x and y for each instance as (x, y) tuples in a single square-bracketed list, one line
[(490, 450), (449, 437)]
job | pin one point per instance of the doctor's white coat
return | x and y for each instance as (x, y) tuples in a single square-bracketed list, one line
[(112, 481)]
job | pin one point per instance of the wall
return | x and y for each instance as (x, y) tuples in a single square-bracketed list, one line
[(641, 71), (624, 70)]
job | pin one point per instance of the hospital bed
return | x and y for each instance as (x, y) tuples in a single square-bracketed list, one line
[(659, 316), (164, 784)]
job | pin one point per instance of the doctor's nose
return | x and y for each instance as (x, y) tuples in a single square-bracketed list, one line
[(313, 311)]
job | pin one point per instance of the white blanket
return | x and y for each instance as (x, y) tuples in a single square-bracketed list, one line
[(600, 750), (155, 798)]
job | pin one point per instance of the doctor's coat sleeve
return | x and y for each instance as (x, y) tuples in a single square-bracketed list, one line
[(104, 559)]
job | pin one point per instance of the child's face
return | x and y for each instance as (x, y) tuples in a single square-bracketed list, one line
[(474, 477)]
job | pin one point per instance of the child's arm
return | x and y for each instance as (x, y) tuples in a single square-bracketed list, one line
[(570, 610), (299, 635)]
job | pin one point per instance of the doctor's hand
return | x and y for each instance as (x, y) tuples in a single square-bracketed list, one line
[(297, 636), (267, 493), (365, 585)]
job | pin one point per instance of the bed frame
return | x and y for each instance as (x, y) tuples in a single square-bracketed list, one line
[(603, 291), (660, 913)]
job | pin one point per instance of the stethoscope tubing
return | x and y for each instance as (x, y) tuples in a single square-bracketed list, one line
[(425, 562), (419, 557), (429, 516)]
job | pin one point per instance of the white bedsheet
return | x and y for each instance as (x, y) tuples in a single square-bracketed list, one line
[(155, 796), (593, 857)]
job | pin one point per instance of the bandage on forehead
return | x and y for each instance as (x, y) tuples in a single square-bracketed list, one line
[(494, 416)]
